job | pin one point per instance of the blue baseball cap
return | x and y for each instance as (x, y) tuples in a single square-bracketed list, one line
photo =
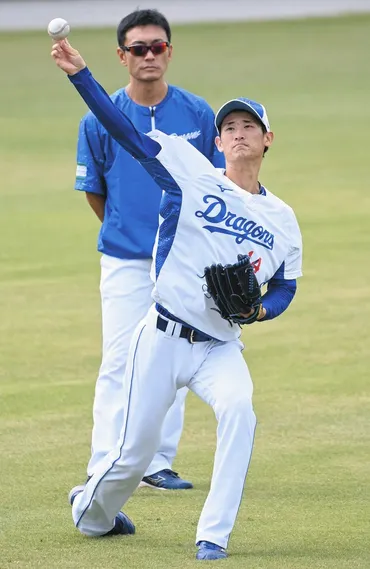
[(242, 104)]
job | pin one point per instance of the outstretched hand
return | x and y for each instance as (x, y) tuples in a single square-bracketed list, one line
[(67, 58)]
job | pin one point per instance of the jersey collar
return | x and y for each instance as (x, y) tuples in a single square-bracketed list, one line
[(262, 191)]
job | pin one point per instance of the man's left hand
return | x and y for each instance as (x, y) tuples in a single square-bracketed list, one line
[(67, 58)]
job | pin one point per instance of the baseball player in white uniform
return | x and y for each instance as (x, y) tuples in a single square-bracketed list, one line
[(207, 216)]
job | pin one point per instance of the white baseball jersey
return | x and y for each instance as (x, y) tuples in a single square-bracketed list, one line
[(205, 218)]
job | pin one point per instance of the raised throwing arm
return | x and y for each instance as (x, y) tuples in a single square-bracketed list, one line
[(138, 144)]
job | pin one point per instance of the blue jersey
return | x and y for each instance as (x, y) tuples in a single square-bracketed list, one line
[(132, 197)]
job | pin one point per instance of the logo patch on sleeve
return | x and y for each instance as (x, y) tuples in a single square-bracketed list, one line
[(81, 171)]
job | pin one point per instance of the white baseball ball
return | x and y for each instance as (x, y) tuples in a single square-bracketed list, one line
[(58, 29)]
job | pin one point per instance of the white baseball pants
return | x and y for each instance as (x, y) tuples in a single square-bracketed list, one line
[(159, 364), (126, 289)]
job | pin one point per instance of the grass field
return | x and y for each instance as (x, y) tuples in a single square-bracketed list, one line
[(307, 499)]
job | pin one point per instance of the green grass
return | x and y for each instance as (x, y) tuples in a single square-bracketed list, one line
[(306, 504)]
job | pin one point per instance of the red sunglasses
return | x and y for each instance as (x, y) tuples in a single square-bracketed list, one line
[(140, 50)]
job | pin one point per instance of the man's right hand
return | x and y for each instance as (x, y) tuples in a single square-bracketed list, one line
[(67, 58)]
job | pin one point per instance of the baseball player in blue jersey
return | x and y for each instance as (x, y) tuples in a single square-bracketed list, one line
[(212, 223), (126, 200)]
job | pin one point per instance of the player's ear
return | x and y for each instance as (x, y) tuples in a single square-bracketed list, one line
[(269, 138), (170, 49), (218, 144), (122, 56)]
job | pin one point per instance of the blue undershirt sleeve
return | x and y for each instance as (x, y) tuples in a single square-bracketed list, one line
[(119, 126), (280, 293)]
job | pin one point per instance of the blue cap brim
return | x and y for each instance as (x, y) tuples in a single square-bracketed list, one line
[(235, 105)]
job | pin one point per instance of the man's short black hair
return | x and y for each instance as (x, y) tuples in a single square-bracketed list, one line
[(142, 18)]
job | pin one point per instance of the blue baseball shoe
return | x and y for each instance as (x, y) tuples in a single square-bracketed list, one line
[(73, 493), (76, 490), (122, 526), (210, 551), (165, 480)]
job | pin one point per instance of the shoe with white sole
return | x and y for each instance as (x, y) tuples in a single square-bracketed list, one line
[(208, 551), (165, 480)]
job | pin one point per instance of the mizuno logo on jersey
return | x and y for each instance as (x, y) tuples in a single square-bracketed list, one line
[(224, 221), (224, 189)]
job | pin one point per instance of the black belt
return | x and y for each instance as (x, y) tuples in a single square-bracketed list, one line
[(192, 336)]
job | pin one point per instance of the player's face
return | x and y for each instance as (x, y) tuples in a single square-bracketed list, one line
[(150, 66), (242, 137)]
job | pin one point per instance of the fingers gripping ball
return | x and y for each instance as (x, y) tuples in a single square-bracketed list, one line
[(235, 290), (58, 29)]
